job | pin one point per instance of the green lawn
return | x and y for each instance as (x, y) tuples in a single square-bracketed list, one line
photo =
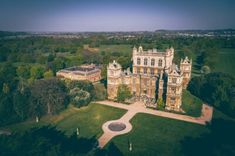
[(152, 135), (225, 61), (191, 104), (89, 119), (116, 48)]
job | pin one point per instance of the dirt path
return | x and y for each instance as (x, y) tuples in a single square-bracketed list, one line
[(139, 107)]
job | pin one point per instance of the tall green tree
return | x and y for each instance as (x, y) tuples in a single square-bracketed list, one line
[(48, 97), (23, 71), (21, 103), (123, 93), (36, 72)]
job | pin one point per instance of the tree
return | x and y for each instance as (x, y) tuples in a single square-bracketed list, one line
[(5, 88), (48, 74), (82, 85), (123, 93), (48, 97), (160, 104), (216, 89), (8, 76), (205, 70), (36, 72), (7, 114), (79, 97), (58, 64), (23, 71), (50, 58), (21, 103)]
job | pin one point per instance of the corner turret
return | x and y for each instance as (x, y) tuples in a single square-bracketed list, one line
[(186, 68), (114, 71)]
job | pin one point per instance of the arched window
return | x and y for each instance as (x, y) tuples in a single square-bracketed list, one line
[(160, 63), (138, 61), (145, 70), (145, 61), (152, 62)]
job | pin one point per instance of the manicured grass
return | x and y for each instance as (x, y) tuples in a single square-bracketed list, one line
[(225, 61), (191, 104), (89, 119), (152, 135)]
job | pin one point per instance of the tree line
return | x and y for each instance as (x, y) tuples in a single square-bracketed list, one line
[(216, 89), (22, 98)]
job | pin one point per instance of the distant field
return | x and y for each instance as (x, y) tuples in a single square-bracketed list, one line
[(153, 135), (226, 61), (116, 48)]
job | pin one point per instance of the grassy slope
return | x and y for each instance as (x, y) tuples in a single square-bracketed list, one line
[(225, 61), (153, 135), (89, 119)]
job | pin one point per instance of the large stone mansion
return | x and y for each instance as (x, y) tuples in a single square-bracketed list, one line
[(153, 76)]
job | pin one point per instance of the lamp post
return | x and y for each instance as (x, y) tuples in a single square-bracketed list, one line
[(78, 132), (129, 145), (37, 119)]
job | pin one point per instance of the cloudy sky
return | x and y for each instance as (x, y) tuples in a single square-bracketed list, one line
[(119, 15)]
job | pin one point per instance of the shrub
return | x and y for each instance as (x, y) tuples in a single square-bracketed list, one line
[(160, 104), (79, 97)]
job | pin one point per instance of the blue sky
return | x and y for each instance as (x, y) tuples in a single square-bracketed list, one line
[(119, 15)]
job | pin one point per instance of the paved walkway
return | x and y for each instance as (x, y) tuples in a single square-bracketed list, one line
[(139, 107), (108, 134)]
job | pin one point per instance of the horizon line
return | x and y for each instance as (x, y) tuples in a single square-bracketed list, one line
[(93, 31)]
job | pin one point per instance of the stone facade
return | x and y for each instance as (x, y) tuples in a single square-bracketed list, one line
[(84, 72), (153, 76)]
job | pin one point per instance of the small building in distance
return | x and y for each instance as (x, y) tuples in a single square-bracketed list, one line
[(89, 72)]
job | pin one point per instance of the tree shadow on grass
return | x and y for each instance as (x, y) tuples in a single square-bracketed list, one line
[(45, 141), (112, 150), (220, 140)]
